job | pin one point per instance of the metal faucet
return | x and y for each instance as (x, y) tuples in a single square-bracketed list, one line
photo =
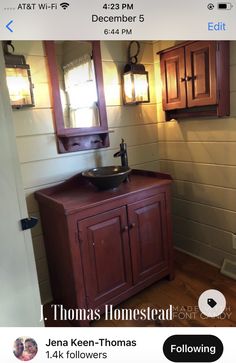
[(122, 153)]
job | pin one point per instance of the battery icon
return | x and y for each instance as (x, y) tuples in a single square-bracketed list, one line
[(225, 6)]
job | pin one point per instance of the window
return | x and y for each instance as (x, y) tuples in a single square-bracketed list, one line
[(81, 92)]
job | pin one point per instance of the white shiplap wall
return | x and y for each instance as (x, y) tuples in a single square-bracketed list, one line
[(200, 154), (42, 166)]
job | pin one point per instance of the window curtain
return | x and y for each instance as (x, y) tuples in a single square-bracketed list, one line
[(80, 85)]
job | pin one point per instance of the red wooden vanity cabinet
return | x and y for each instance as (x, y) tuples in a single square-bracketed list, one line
[(104, 246)]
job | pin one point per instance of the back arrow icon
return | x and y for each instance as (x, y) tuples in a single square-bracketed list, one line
[(8, 26)]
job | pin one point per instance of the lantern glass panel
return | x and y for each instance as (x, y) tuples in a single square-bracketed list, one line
[(128, 87), (141, 87), (19, 86)]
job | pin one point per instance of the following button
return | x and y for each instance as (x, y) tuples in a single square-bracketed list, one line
[(217, 27), (193, 348)]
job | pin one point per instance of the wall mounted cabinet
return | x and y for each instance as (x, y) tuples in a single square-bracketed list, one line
[(104, 246), (195, 79)]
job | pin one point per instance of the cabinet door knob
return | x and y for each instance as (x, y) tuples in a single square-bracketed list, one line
[(132, 225), (191, 78), (183, 79), (125, 228)]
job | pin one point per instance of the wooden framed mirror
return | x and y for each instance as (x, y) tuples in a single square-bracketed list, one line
[(75, 72)]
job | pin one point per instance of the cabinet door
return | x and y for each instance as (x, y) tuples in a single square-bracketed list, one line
[(105, 256), (173, 79), (148, 237), (201, 74)]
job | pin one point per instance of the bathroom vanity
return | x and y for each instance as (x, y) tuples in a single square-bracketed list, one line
[(105, 246)]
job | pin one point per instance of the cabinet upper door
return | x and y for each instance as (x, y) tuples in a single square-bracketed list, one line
[(173, 79), (105, 256), (148, 237), (201, 73)]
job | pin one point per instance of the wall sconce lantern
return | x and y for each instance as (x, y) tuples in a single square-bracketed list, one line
[(135, 79), (18, 78)]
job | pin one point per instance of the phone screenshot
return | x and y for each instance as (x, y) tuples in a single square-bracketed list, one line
[(118, 181)]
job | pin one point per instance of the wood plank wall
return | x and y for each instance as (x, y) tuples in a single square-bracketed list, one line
[(42, 166), (200, 154)]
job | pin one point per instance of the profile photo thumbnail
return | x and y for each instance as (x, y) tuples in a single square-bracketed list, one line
[(25, 348)]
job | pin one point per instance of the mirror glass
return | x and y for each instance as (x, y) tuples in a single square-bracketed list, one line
[(77, 82)]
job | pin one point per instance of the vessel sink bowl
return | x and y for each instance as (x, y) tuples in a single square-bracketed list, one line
[(107, 177)]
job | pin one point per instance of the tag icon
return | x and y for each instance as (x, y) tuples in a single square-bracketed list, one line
[(211, 302)]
